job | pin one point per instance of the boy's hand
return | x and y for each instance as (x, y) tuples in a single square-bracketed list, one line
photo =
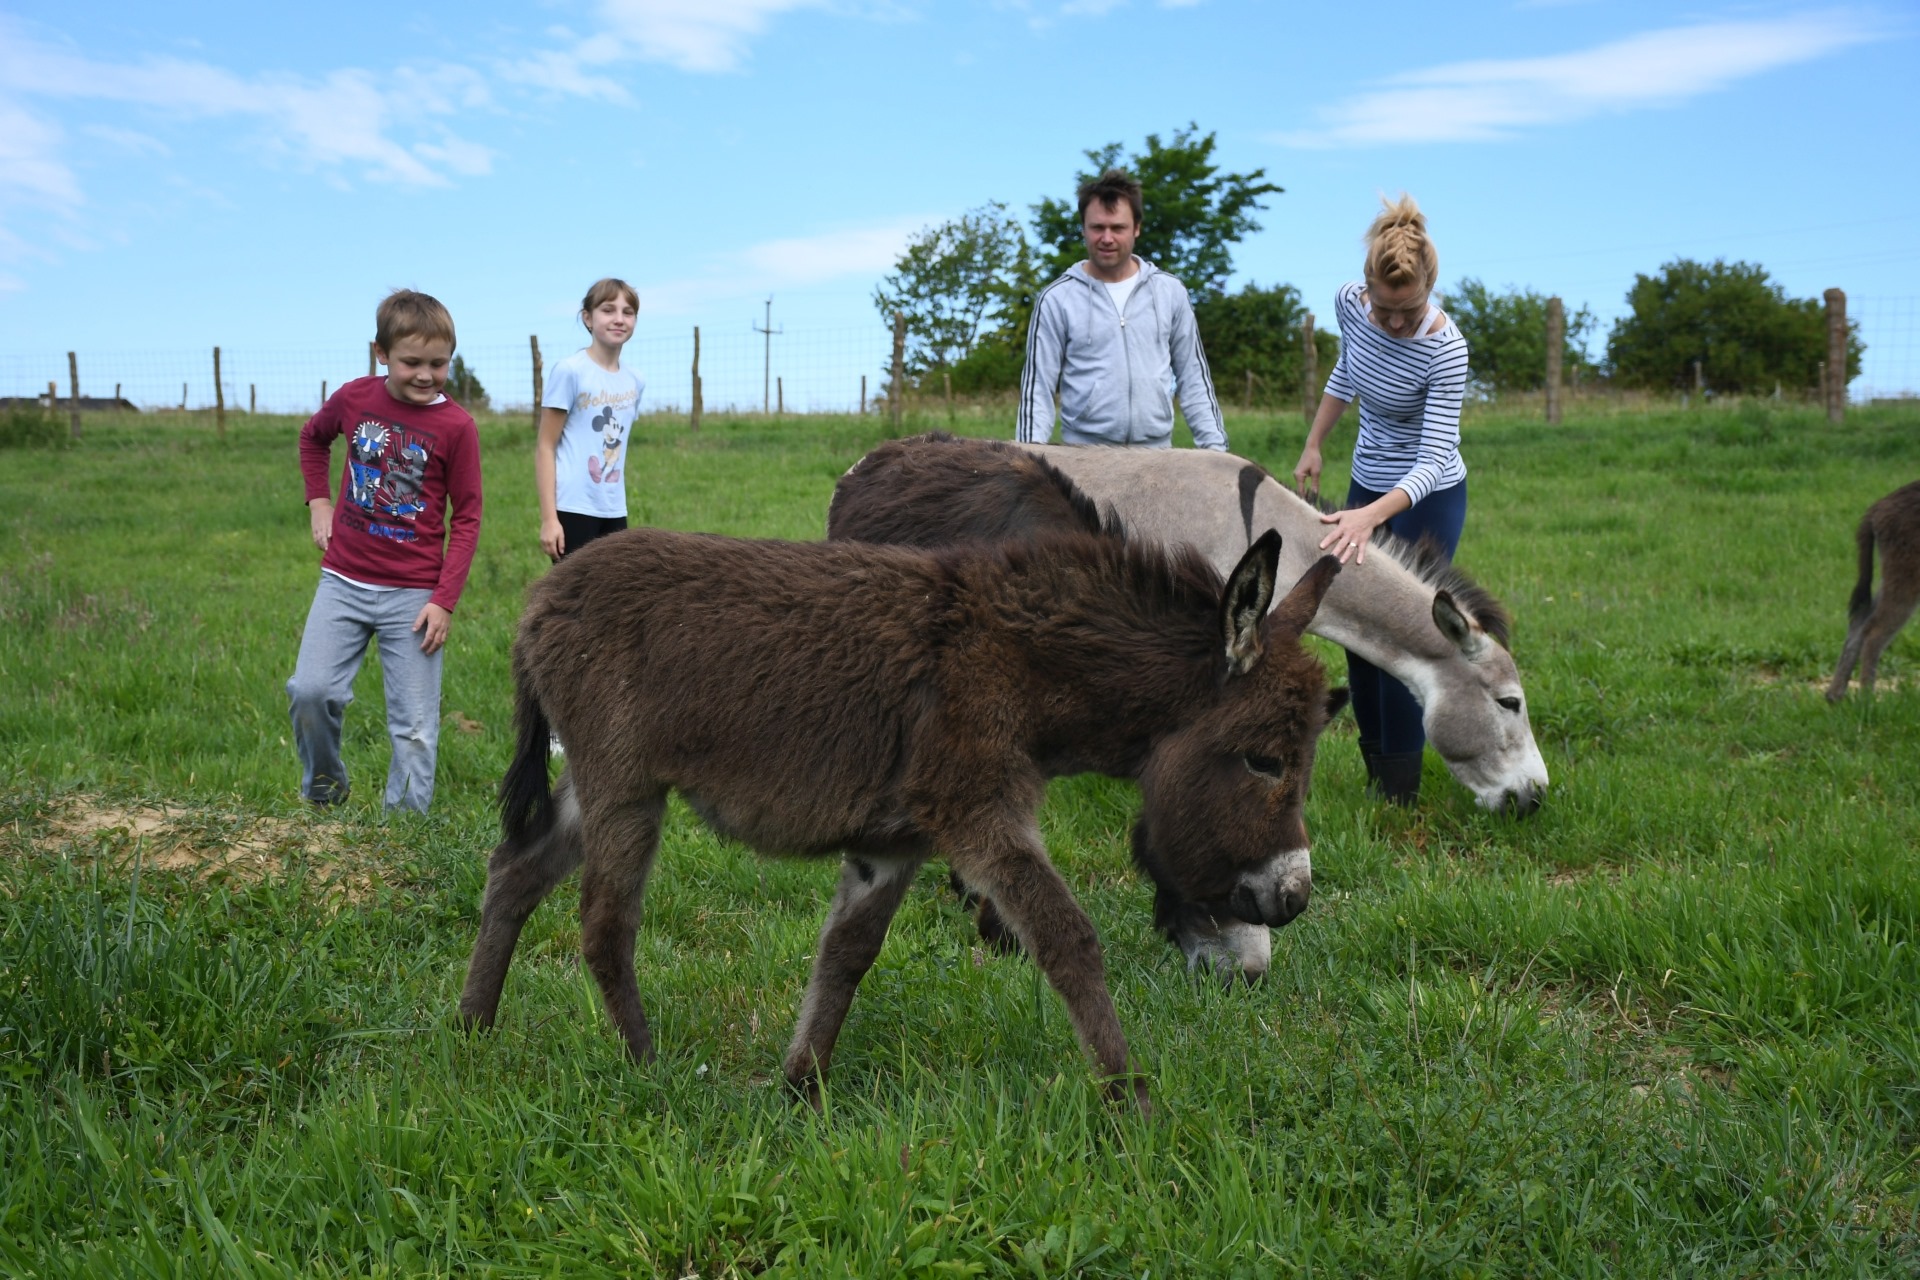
[(433, 620), (321, 510), (553, 538)]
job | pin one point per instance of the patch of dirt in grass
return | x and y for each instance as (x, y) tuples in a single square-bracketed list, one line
[(205, 845)]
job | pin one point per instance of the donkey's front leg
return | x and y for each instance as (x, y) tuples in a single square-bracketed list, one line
[(1056, 932), (870, 892)]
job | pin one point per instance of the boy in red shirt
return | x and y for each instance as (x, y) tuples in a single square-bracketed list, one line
[(390, 568)]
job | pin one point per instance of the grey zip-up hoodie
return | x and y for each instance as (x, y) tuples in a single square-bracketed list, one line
[(1112, 369)]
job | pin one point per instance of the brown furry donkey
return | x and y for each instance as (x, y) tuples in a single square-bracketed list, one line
[(890, 705), (1892, 524)]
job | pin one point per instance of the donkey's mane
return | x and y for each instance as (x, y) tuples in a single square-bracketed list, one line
[(1426, 560), (1085, 510)]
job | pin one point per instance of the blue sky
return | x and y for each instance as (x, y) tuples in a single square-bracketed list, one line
[(173, 176)]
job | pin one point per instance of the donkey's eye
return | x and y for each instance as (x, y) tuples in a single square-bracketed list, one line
[(1510, 703), (1265, 766)]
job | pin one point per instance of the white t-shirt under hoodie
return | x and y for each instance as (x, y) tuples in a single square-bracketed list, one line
[(590, 466)]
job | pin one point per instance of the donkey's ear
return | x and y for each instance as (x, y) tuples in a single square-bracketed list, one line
[(1243, 606), (1291, 616), (1456, 626), (1337, 699)]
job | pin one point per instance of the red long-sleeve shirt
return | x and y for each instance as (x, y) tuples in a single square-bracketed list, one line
[(406, 465)]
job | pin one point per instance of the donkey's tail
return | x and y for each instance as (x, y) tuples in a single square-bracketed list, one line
[(526, 794), (1863, 589)]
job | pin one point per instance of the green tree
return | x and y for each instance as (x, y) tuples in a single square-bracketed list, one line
[(954, 282), (1194, 212), (463, 387), (1507, 335), (1257, 331), (1742, 327)]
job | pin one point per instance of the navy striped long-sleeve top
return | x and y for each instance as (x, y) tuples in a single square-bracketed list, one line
[(1409, 391)]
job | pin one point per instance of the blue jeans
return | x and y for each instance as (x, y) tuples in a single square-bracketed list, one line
[(1386, 710), (343, 619)]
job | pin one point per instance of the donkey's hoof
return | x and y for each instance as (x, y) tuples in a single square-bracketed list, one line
[(805, 1088)]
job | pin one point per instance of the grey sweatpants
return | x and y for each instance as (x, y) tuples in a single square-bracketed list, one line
[(343, 619)]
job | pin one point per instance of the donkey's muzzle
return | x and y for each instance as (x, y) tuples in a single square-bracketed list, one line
[(1523, 801), (1275, 893)]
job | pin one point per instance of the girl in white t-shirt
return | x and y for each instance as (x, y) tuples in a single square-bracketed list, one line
[(580, 458)]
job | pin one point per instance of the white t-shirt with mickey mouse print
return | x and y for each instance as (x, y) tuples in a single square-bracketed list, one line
[(590, 467)]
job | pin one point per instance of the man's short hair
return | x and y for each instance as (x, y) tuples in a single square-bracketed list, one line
[(407, 313), (1112, 187)]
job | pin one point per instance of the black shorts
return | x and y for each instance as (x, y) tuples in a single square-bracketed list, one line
[(579, 530)]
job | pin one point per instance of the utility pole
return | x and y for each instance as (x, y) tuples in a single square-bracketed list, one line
[(766, 379)]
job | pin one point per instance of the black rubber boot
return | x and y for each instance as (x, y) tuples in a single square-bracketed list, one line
[(1370, 757), (1396, 776)]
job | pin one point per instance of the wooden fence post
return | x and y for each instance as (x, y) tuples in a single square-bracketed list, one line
[(1309, 371), (780, 397), (371, 345), (699, 401), (183, 395), (323, 395), (53, 395), (863, 395), (252, 400), (539, 383), (1556, 342), (116, 395), (1836, 356), (897, 389), (946, 389), (73, 404), (219, 399)]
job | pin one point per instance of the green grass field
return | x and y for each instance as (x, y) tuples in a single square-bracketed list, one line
[(1669, 1026)]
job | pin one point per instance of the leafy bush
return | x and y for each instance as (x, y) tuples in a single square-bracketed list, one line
[(1257, 331), (1507, 336), (463, 387), (29, 426), (1744, 330)]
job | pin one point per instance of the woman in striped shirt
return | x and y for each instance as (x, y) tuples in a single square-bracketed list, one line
[(1406, 362)]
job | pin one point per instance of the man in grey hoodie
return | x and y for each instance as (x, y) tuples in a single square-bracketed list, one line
[(1113, 335)]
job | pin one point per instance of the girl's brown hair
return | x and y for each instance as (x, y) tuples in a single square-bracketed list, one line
[(1398, 250), (602, 291)]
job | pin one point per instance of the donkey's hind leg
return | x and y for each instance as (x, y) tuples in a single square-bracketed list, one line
[(519, 877), (1849, 655), (870, 893), (1899, 595), (621, 839)]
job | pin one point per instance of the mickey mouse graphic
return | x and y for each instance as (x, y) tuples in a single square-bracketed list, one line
[(604, 467)]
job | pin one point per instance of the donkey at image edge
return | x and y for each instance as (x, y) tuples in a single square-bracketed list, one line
[(1893, 525), (892, 705)]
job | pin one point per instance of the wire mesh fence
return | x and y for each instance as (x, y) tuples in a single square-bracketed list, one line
[(802, 370), (823, 370)]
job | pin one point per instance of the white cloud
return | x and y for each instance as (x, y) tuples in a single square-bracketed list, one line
[(346, 118), (788, 263), (693, 35), (1494, 99), (30, 166)]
